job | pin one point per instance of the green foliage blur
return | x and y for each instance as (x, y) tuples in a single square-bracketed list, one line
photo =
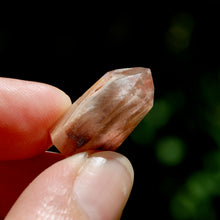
[(172, 126)]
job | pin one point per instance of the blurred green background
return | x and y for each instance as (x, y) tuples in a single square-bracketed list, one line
[(175, 150)]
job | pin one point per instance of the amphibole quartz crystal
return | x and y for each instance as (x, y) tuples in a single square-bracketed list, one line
[(104, 116)]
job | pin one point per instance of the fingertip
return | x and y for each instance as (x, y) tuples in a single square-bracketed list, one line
[(83, 186), (28, 111), (61, 100), (103, 185), (124, 161)]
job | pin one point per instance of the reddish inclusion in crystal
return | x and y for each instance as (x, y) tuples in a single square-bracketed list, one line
[(106, 113)]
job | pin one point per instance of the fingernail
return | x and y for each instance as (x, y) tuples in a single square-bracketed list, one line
[(103, 185)]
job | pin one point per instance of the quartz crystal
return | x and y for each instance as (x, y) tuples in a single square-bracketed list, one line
[(104, 116)]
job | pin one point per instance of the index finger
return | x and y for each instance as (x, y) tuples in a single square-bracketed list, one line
[(27, 112)]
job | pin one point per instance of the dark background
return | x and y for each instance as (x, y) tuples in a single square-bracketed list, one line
[(175, 151)]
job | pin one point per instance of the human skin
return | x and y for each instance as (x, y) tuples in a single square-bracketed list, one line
[(35, 184)]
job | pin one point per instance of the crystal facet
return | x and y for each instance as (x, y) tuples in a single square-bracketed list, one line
[(104, 116)]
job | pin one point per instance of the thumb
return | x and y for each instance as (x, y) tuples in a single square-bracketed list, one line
[(80, 187)]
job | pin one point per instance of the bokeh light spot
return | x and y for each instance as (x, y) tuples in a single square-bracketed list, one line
[(170, 151), (183, 207), (201, 185), (178, 35)]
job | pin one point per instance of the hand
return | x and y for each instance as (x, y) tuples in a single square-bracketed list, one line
[(84, 186)]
